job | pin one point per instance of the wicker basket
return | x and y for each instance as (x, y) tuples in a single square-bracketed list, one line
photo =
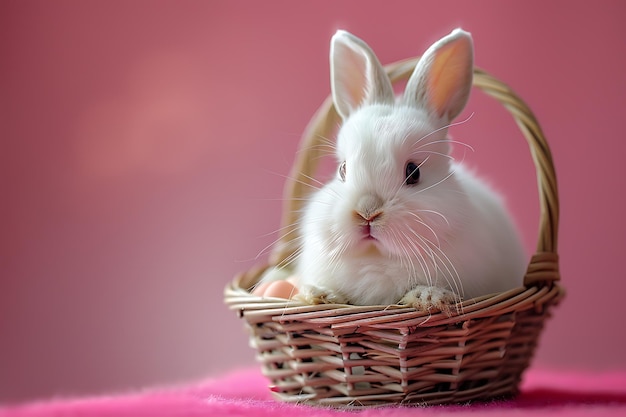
[(357, 356)]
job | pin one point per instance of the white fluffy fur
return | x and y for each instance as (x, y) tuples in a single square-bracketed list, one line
[(449, 231)]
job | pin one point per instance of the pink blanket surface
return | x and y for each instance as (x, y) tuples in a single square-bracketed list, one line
[(245, 393)]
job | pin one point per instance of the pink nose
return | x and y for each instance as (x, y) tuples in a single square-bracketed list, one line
[(368, 218), (368, 208)]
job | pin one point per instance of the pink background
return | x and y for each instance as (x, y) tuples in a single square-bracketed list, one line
[(143, 147)]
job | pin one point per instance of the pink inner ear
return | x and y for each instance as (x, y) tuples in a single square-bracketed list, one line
[(450, 78), (356, 81), (350, 79)]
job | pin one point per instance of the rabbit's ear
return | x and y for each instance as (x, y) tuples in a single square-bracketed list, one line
[(357, 77), (442, 79)]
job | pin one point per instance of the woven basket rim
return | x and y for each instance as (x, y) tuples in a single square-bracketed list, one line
[(238, 297)]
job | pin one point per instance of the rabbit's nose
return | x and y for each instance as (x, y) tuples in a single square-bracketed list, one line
[(369, 207)]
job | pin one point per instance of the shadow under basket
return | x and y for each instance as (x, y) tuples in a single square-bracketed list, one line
[(357, 356)]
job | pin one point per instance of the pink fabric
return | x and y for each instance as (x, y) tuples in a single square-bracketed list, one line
[(245, 393)]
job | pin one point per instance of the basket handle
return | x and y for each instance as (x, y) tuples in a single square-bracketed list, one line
[(543, 267)]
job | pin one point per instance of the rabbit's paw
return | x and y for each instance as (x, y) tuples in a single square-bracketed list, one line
[(315, 295), (426, 298)]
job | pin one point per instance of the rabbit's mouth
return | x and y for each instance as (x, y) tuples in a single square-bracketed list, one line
[(368, 243), (366, 232)]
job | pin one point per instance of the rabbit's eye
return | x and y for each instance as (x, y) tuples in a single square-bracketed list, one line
[(412, 173), (342, 171)]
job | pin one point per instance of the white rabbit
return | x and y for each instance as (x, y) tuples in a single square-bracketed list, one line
[(402, 222)]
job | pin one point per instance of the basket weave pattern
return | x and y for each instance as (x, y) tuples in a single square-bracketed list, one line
[(355, 356)]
